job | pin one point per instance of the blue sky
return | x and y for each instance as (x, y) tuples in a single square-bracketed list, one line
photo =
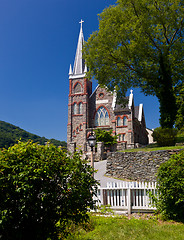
[(38, 40)]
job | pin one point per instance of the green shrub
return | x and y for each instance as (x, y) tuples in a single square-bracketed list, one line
[(105, 136), (41, 189), (165, 136), (170, 181)]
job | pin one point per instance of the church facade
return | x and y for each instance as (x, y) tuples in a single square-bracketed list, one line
[(89, 110)]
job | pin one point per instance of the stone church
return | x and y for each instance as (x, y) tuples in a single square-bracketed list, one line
[(89, 109)]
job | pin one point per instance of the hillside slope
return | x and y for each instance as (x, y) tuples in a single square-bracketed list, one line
[(10, 134)]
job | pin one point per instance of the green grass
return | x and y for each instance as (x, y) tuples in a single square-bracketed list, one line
[(120, 228), (153, 148)]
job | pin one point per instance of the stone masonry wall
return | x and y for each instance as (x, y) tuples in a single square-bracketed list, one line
[(136, 166)]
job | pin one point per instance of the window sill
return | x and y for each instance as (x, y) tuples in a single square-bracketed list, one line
[(105, 126), (122, 126)]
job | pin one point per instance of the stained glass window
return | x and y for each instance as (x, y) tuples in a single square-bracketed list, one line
[(101, 117)]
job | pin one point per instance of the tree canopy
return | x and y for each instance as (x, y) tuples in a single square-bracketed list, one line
[(140, 44)]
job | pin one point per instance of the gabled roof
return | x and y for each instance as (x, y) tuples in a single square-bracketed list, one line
[(136, 111), (120, 107), (128, 105), (94, 90)]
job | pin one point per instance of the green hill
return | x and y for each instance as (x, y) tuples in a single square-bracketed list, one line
[(10, 134)]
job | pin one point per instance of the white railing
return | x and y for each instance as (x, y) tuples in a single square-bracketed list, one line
[(127, 196)]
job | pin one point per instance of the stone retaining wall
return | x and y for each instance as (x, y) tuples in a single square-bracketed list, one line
[(137, 166)]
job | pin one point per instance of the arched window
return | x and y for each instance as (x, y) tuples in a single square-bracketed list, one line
[(124, 121), (123, 137), (119, 137), (75, 108), (80, 108), (77, 88), (74, 133), (101, 117), (118, 121), (77, 130)]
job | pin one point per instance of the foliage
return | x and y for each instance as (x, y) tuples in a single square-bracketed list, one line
[(120, 228), (180, 136), (41, 189), (180, 106), (10, 134), (140, 44), (105, 209), (105, 136), (165, 136), (170, 181)]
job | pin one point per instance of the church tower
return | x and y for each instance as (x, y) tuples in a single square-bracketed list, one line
[(80, 88)]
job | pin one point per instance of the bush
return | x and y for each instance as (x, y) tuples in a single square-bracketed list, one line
[(41, 189), (105, 136), (165, 136), (170, 181)]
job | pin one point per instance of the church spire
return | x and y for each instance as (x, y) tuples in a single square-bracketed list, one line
[(79, 63)]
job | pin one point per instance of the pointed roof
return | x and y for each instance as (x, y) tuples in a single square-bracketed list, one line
[(70, 70), (130, 103), (79, 67)]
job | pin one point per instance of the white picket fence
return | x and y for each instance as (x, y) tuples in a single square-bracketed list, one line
[(127, 196)]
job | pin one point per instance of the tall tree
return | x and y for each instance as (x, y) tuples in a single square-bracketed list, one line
[(140, 44)]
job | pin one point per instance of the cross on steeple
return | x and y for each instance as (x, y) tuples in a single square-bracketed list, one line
[(79, 64), (81, 22)]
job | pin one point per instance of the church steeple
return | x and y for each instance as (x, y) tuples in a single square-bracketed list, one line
[(79, 64), (80, 88)]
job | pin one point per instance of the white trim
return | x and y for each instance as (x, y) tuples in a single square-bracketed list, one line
[(114, 100), (130, 99), (140, 112), (102, 101), (94, 91), (77, 76)]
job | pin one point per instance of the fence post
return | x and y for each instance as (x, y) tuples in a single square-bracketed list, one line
[(129, 201), (102, 196)]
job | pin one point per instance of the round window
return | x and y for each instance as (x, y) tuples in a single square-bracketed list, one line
[(101, 95)]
